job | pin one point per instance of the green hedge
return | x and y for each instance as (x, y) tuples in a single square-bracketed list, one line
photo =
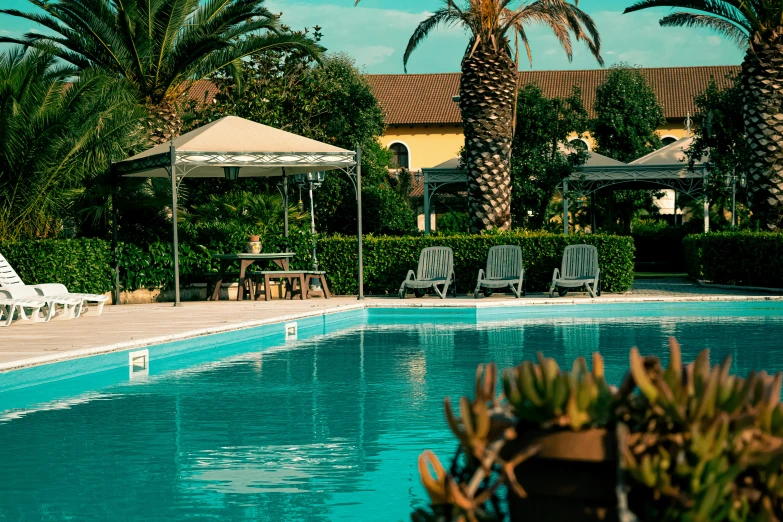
[(388, 259), (85, 265), (736, 258)]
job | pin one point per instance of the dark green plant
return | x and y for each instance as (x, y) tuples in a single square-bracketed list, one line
[(452, 223), (736, 258), (57, 133), (388, 259), (539, 159), (158, 46), (627, 114)]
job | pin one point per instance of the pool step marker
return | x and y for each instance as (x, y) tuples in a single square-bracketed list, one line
[(139, 364), (291, 331)]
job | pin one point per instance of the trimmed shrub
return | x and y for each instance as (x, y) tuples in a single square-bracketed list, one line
[(83, 265), (736, 258), (388, 259)]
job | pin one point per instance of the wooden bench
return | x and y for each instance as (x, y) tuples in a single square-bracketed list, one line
[(302, 276)]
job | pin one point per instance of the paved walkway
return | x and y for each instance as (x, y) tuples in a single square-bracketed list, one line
[(128, 326)]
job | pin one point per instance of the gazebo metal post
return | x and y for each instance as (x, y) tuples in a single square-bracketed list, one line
[(285, 206), (706, 214), (565, 206), (359, 217), (115, 246), (426, 204), (173, 175)]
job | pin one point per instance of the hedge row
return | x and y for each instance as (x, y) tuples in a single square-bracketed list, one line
[(388, 259), (736, 258), (85, 265)]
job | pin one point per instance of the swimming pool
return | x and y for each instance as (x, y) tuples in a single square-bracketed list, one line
[(252, 426)]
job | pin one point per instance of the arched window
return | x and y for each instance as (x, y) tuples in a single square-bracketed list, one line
[(399, 156), (668, 140), (579, 144)]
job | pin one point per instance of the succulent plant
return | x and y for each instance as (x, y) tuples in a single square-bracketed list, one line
[(699, 444)]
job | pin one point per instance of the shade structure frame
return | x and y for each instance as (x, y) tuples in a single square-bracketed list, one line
[(178, 165)]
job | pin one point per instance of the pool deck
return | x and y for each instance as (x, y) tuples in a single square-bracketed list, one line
[(131, 326)]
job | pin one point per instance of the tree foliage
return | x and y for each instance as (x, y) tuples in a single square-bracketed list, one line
[(329, 102), (627, 114), (539, 159), (158, 46), (55, 136), (720, 135)]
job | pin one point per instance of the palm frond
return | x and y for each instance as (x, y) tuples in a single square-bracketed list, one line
[(441, 16), (735, 34)]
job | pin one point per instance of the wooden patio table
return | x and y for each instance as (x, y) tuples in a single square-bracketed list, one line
[(281, 259)]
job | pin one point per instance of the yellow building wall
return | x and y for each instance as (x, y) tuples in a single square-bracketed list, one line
[(428, 145), (431, 145)]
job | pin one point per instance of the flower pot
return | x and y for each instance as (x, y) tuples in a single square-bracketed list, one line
[(254, 245), (572, 478)]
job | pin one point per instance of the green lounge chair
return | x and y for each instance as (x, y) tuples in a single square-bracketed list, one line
[(504, 270), (436, 267), (579, 268)]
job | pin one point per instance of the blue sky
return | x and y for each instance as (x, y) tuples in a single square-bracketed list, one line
[(376, 32)]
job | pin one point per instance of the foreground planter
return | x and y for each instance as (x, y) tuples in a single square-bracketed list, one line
[(572, 478)]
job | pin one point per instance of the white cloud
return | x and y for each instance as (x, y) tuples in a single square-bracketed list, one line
[(375, 37)]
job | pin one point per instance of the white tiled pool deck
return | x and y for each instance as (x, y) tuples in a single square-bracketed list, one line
[(131, 326)]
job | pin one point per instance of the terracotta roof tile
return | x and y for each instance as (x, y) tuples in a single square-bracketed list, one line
[(410, 99)]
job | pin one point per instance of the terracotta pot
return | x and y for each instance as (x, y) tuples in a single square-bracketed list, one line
[(572, 478)]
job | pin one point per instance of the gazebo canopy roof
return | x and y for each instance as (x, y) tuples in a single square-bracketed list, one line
[(236, 142)]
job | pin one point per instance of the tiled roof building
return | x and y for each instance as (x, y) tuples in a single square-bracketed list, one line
[(415, 99)]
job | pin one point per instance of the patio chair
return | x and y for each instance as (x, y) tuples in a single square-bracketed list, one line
[(436, 267), (579, 268), (21, 310), (9, 278), (70, 307), (504, 270)]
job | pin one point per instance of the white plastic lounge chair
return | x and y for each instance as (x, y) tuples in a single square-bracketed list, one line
[(22, 310), (504, 269), (70, 307), (9, 278), (436, 267), (579, 268)]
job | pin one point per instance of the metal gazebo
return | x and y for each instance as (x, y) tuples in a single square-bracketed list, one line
[(234, 148)]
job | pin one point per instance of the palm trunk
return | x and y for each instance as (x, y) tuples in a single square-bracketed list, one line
[(487, 91), (762, 82), (164, 123)]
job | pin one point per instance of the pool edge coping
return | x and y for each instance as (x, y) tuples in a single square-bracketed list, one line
[(377, 302)]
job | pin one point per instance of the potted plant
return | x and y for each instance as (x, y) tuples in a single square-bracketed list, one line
[(254, 245), (689, 443)]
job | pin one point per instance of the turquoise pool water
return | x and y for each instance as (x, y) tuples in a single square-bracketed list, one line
[(249, 427)]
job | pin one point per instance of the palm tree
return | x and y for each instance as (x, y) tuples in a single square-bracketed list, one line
[(55, 134), (488, 86), (757, 27), (160, 46)]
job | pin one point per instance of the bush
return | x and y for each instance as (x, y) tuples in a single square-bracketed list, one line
[(658, 247), (736, 258), (86, 265), (388, 259), (83, 265)]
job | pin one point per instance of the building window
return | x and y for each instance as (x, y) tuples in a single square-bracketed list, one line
[(579, 145), (399, 156), (668, 140)]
